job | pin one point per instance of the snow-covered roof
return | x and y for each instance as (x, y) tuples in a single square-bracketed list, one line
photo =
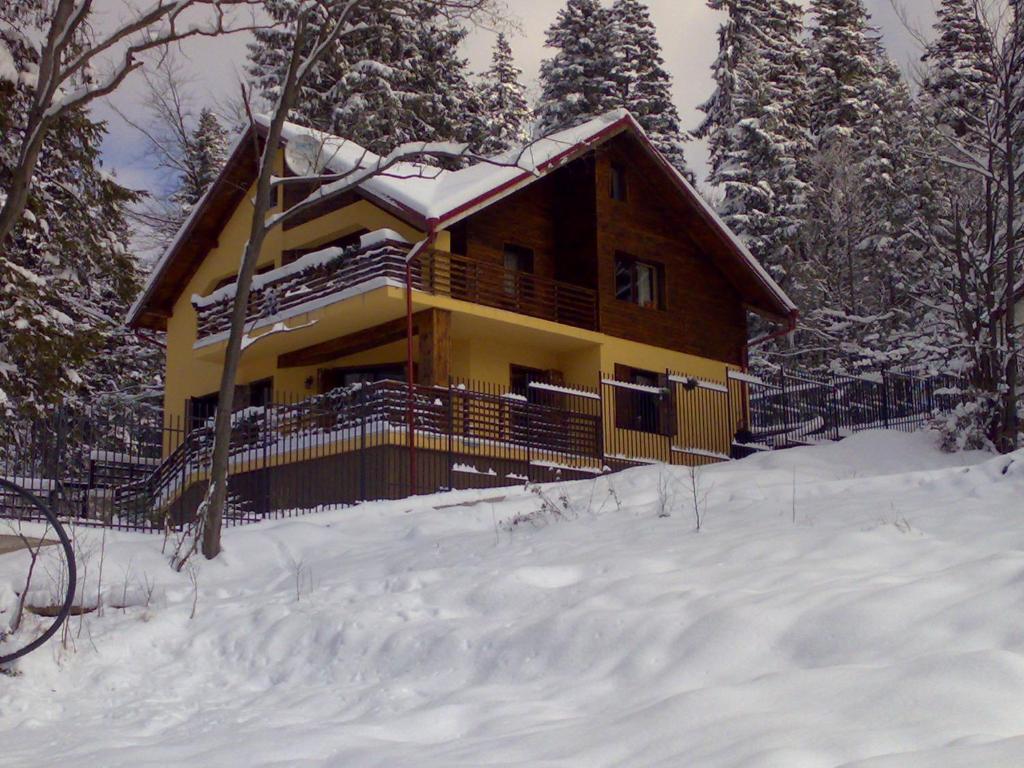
[(428, 197), (432, 193)]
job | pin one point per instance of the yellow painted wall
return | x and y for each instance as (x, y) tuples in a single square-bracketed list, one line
[(192, 374)]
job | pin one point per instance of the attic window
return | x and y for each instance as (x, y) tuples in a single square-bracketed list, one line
[(618, 188), (639, 282)]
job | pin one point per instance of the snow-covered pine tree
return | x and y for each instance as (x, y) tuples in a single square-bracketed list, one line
[(399, 79), (843, 50), (861, 128), (205, 154), (960, 287), (579, 81), (958, 74), (644, 85), (506, 116), (757, 128), (268, 58), (67, 277), (449, 104)]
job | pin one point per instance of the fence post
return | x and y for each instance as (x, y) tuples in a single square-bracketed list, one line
[(666, 412), (529, 431), (885, 399), (451, 436), (361, 401), (785, 405), (264, 486), (90, 483), (833, 405)]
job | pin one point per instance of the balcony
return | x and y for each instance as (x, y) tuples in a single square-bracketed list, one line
[(333, 275)]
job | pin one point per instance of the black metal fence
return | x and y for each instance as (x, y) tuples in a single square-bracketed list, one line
[(385, 440), (379, 440)]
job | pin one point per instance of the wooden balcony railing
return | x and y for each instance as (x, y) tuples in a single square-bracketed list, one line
[(315, 280), (493, 285), (310, 279)]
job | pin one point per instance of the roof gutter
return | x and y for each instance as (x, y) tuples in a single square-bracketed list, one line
[(791, 322)]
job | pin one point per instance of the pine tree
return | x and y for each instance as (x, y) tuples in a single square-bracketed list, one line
[(958, 71), (68, 277), (205, 153), (609, 59), (756, 125), (449, 104), (644, 85), (858, 242), (579, 81), (505, 114), (268, 58), (399, 79), (843, 54)]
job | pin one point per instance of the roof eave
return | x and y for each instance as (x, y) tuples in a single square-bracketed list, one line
[(140, 309)]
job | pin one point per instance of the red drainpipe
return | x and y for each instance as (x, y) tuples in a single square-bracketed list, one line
[(410, 379)]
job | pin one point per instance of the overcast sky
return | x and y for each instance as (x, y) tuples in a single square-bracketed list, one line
[(687, 29)]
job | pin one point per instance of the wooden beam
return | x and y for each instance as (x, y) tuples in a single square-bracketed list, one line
[(435, 334), (351, 344)]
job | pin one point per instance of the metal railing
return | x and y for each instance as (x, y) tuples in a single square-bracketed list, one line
[(386, 440)]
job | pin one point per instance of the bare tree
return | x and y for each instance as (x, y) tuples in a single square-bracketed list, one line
[(171, 111), (976, 238), (319, 26), (73, 51)]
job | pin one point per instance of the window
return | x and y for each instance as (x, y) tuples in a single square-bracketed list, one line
[(520, 378), (618, 184), (332, 378), (234, 278), (257, 394), (350, 240), (518, 259), (639, 282), (651, 409)]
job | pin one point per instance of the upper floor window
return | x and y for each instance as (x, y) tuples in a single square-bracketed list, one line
[(640, 282), (346, 241), (517, 259), (234, 278), (618, 188)]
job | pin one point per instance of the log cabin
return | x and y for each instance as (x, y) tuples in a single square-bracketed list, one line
[(570, 306)]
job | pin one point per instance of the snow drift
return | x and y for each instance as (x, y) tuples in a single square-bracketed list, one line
[(856, 604)]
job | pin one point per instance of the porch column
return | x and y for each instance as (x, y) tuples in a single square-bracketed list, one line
[(433, 328)]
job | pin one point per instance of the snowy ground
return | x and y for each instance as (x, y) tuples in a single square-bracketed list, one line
[(882, 628)]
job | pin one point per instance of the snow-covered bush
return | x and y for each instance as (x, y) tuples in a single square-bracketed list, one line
[(968, 426)]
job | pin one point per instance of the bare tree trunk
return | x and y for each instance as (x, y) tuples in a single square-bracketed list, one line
[(214, 514), (298, 68), (21, 179)]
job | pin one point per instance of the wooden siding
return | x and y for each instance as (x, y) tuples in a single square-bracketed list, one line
[(703, 314), (575, 229), (553, 217)]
